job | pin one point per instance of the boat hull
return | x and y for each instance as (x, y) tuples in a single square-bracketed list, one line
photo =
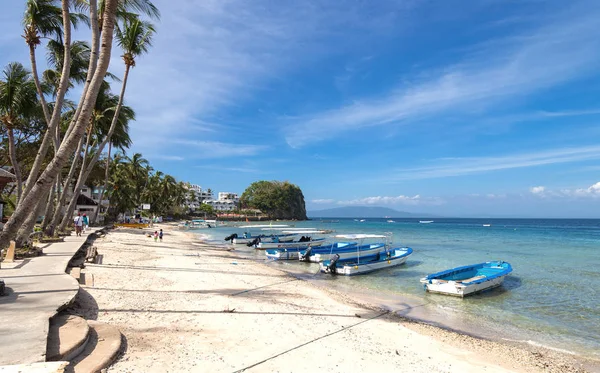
[(274, 254), (398, 257), (456, 289), (319, 257), (467, 280)]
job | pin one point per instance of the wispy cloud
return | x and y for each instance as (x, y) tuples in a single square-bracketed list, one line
[(592, 191), (323, 201), (215, 149), (394, 200), (232, 169), (213, 55), (566, 49), (447, 167)]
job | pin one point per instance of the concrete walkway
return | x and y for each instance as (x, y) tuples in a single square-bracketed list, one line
[(36, 289)]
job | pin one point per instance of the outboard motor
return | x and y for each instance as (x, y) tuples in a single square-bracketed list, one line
[(254, 242), (332, 267), (306, 255), (231, 237)]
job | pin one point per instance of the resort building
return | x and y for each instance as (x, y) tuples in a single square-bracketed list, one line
[(227, 202), (197, 196)]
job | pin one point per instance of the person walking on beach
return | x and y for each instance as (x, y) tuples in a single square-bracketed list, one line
[(78, 224), (85, 222), (155, 236), (160, 235)]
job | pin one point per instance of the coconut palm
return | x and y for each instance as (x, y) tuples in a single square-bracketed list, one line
[(47, 178), (17, 97)]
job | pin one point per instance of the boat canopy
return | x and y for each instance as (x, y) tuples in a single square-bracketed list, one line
[(359, 236), (263, 226)]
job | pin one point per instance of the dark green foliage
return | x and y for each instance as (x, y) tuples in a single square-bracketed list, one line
[(277, 199)]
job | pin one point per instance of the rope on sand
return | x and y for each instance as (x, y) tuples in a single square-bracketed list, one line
[(311, 341)]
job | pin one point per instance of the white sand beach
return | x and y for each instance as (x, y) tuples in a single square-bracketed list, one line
[(184, 306)]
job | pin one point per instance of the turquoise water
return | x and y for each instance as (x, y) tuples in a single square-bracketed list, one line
[(552, 297)]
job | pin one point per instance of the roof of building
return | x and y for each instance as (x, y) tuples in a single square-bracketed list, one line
[(6, 174), (84, 200)]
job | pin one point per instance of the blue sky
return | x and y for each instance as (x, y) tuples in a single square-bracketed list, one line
[(462, 108)]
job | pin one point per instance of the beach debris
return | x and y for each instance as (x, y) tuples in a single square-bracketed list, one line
[(357, 315), (234, 263), (227, 310)]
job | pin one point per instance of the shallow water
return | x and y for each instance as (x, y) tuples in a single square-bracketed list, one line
[(551, 298)]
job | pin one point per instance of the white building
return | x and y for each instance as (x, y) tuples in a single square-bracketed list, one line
[(200, 195), (227, 202)]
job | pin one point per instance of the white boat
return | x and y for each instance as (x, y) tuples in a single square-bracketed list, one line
[(304, 241), (391, 221), (363, 220), (425, 221), (247, 237), (283, 254), (487, 225), (356, 266), (462, 281), (347, 253)]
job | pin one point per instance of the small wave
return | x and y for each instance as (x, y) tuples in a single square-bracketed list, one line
[(538, 344)]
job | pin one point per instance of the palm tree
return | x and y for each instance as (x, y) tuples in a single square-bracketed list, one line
[(80, 57), (44, 182), (17, 97)]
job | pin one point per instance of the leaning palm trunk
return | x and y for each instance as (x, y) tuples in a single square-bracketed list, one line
[(106, 173), (85, 171), (73, 202), (12, 151), (63, 195), (48, 212), (48, 176), (62, 90), (27, 227)]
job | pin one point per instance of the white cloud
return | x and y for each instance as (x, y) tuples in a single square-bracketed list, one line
[(537, 189), (323, 201), (564, 50), (447, 167), (394, 200), (592, 191)]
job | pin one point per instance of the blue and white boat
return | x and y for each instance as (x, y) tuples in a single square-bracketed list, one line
[(343, 250), (365, 258), (462, 281), (366, 264)]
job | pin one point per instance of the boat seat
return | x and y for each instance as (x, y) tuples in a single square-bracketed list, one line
[(471, 279)]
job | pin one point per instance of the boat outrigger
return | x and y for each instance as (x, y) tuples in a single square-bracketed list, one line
[(248, 238), (462, 281), (303, 242)]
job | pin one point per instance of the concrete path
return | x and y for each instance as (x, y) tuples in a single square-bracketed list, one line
[(36, 289)]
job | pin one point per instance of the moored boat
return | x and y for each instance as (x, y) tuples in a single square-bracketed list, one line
[(318, 254), (357, 265), (470, 279), (303, 242), (425, 221)]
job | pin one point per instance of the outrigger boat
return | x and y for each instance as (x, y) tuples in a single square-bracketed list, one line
[(462, 281), (248, 237), (361, 262)]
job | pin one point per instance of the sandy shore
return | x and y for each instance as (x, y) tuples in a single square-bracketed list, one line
[(184, 306)]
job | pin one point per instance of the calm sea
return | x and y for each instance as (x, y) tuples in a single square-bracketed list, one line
[(552, 297)]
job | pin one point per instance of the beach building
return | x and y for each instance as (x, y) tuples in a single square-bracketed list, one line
[(197, 196), (226, 201)]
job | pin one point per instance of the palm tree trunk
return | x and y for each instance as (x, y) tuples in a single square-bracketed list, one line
[(77, 189), (62, 90), (48, 176), (38, 86), (27, 228), (106, 174), (12, 152), (48, 212), (63, 195)]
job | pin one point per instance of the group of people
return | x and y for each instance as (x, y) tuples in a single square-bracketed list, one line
[(158, 235), (81, 223)]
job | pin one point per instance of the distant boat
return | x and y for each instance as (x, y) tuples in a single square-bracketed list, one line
[(362, 220), (425, 221), (462, 281), (487, 225), (391, 221)]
